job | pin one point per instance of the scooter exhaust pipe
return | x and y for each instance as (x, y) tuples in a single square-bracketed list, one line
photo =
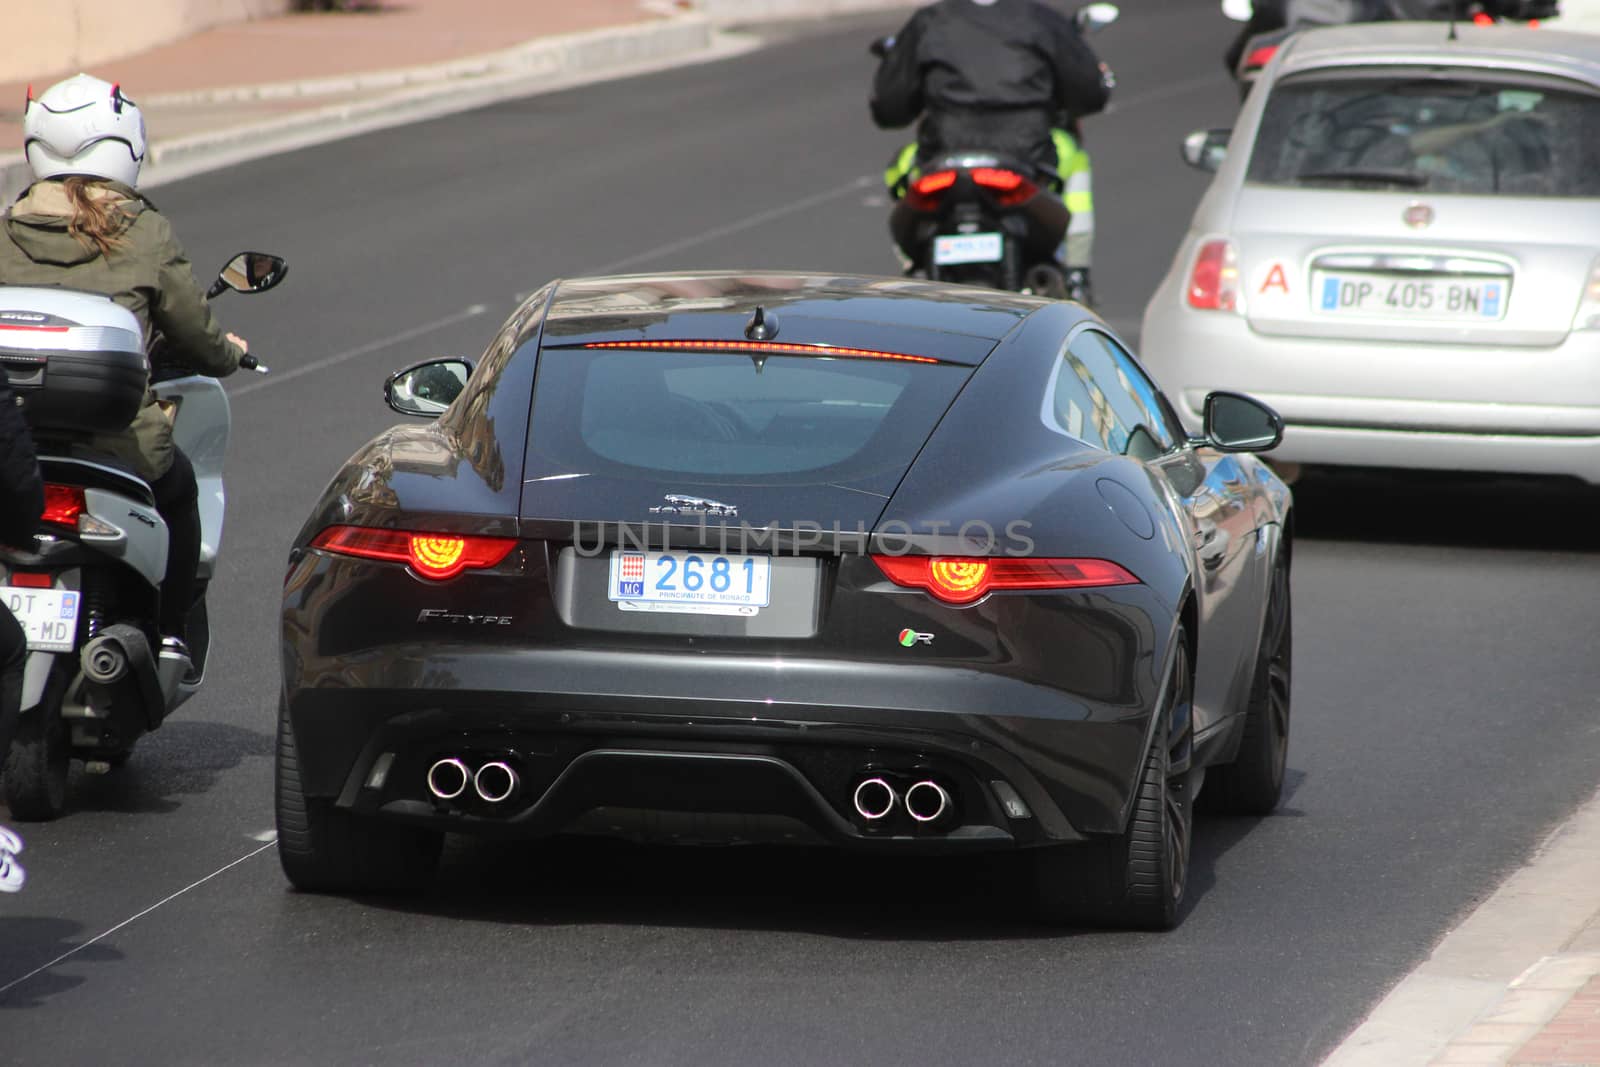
[(104, 661), (926, 801), (495, 781), (448, 778), (874, 798)]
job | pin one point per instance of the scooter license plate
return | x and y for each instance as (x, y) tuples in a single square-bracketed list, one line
[(49, 617), (957, 248)]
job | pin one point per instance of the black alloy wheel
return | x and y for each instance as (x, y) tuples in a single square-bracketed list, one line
[(1138, 878), (1253, 783)]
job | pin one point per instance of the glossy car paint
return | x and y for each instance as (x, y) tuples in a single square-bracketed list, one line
[(1052, 693), (1519, 395)]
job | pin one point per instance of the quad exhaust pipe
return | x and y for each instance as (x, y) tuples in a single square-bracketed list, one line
[(874, 799), (494, 782), (927, 801)]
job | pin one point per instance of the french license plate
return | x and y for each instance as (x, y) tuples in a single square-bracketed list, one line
[(690, 583), (49, 617), (968, 248), (1472, 299)]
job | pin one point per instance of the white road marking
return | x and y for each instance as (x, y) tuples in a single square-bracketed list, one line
[(269, 836), (74, 950), (278, 378), (728, 229), (1166, 92)]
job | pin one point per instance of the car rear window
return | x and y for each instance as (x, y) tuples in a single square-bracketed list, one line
[(783, 419), (1429, 132)]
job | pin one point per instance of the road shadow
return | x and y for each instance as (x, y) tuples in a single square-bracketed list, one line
[(182, 759), (1446, 509), (32, 941)]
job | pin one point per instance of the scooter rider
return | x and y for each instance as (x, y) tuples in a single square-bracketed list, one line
[(21, 504), (1012, 76), (82, 225)]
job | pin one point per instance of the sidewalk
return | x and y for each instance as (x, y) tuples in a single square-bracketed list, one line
[(1518, 982)]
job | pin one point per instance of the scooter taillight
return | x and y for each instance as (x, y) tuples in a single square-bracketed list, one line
[(924, 192), (63, 504), (1006, 186)]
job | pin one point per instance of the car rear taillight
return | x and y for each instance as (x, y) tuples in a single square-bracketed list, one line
[(1259, 57), (431, 555), (963, 580), (1588, 316), (1007, 186), (924, 191), (1214, 281), (63, 504)]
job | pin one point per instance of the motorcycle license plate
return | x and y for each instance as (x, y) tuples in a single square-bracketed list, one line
[(955, 248), (49, 617), (690, 583)]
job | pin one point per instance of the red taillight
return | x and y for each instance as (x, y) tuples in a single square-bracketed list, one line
[(63, 504), (1009, 187), (1260, 57), (30, 581), (923, 193), (962, 580), (436, 556), (1214, 281)]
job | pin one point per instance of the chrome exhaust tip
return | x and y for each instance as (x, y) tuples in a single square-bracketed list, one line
[(448, 778), (927, 801), (495, 781), (874, 798)]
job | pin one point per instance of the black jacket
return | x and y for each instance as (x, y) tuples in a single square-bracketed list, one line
[(21, 488), (991, 76)]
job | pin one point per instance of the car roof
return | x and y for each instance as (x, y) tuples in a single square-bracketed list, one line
[(1568, 55), (957, 323)]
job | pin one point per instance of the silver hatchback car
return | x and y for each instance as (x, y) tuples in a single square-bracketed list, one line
[(1400, 252)]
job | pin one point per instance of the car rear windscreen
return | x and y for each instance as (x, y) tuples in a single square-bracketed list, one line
[(776, 419), (1455, 134)]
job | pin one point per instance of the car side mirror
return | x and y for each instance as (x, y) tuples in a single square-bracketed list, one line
[(1206, 149), (427, 389), (249, 272), (1092, 18), (1238, 423)]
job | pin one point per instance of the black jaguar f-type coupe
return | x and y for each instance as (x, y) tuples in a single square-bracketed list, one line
[(730, 557)]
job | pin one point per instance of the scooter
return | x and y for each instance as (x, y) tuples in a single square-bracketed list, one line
[(87, 591), (978, 217)]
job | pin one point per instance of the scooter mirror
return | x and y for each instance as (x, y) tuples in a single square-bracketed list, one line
[(881, 46), (426, 389), (1237, 10), (250, 272), (1095, 17), (1206, 149)]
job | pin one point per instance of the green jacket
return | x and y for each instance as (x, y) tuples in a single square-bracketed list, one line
[(147, 272)]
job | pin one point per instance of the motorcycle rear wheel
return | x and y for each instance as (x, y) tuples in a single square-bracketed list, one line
[(35, 773)]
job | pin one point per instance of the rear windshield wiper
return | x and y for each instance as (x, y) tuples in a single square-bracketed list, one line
[(1386, 177)]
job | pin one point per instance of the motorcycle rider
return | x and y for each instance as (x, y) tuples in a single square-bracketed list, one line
[(1011, 76), (21, 504), (82, 225)]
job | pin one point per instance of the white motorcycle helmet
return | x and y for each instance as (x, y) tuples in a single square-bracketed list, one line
[(83, 126)]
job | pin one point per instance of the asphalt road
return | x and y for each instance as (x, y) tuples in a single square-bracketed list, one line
[(1444, 698)]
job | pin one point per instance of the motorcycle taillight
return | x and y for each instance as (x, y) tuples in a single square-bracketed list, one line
[(63, 504), (1007, 187), (923, 193)]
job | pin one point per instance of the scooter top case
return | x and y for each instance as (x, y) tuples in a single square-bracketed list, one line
[(76, 359)]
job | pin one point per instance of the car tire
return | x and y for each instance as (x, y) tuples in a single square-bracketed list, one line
[(1138, 878), (1253, 783), (36, 765), (325, 850)]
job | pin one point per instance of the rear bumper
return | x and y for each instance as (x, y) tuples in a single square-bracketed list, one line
[(1426, 406), (587, 745)]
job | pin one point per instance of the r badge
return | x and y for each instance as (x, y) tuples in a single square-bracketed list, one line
[(912, 637)]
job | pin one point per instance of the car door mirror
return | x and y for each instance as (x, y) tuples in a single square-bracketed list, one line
[(1206, 149), (426, 389), (1094, 17), (1238, 423), (249, 272)]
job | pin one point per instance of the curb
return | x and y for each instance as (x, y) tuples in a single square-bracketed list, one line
[(693, 32)]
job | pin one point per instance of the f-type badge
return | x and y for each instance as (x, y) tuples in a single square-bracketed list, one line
[(678, 504)]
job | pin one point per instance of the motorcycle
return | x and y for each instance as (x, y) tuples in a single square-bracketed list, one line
[(980, 217), (97, 675), (1269, 23)]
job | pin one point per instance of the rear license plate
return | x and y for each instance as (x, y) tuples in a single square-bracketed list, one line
[(49, 617), (1471, 299), (968, 248), (690, 583)]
